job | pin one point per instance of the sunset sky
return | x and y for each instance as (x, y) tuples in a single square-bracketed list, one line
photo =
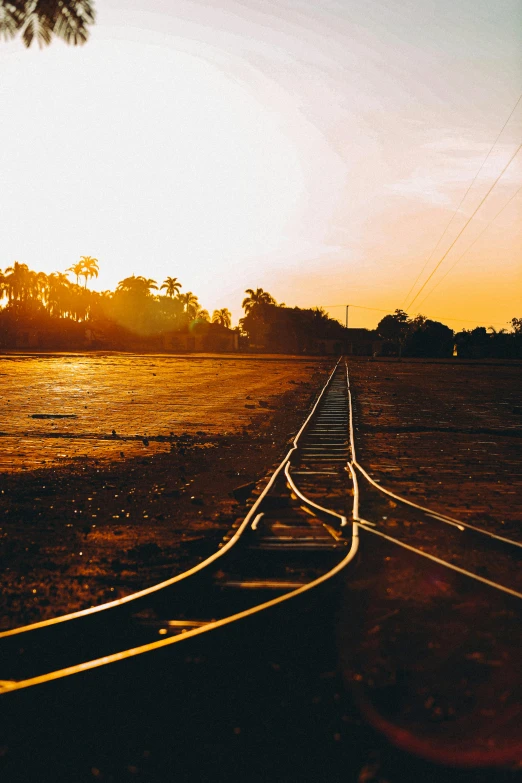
[(315, 149)]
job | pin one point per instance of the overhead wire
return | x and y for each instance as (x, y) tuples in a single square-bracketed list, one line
[(460, 203), (472, 244), (466, 224)]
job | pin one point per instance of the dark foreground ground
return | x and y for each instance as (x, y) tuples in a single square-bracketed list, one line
[(437, 665), (286, 714)]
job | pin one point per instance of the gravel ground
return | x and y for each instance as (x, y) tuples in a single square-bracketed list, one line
[(432, 657), (445, 435), (425, 660), (63, 408), (83, 531)]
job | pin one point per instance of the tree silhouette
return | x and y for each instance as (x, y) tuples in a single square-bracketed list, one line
[(56, 293), (222, 317), (256, 297), (137, 285), (200, 314), (90, 268), (429, 338), (172, 286), (16, 281), (36, 283), (190, 303), (76, 269), (394, 328), (41, 19), (54, 308)]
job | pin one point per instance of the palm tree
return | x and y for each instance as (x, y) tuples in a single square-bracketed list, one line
[(66, 19), (222, 317), (90, 267), (16, 281), (56, 293), (190, 303), (200, 314), (137, 285), (150, 283), (34, 284), (41, 283), (172, 285), (77, 270), (255, 298), (79, 302)]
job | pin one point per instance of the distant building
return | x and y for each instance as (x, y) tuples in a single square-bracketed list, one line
[(356, 342), (362, 342), (327, 347)]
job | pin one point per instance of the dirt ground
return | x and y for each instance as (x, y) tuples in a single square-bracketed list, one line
[(130, 512), (58, 408), (445, 435), (115, 512), (432, 657)]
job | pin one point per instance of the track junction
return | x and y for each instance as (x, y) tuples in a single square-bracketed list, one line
[(279, 571)]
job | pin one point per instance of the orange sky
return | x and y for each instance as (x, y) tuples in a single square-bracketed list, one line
[(315, 149)]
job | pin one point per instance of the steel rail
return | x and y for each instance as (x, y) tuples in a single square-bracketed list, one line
[(398, 735), (311, 503), (321, 449), (223, 550), (431, 512), (133, 596), (252, 519), (372, 527), (9, 686), (294, 447)]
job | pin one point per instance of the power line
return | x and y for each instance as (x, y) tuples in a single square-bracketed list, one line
[(461, 201), (360, 307), (470, 246), (466, 224)]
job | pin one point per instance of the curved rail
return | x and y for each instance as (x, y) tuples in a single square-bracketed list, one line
[(417, 736), (311, 503), (191, 629), (431, 512), (372, 527), (133, 652), (209, 561)]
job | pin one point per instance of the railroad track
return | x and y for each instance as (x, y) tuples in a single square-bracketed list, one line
[(437, 667), (489, 558), (276, 577), (287, 545)]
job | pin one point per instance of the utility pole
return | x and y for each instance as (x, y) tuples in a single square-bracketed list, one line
[(347, 306)]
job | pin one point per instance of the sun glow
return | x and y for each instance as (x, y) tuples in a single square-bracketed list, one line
[(315, 150), (173, 168)]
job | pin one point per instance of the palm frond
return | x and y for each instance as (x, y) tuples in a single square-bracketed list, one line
[(12, 16), (37, 26), (72, 19), (41, 19)]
